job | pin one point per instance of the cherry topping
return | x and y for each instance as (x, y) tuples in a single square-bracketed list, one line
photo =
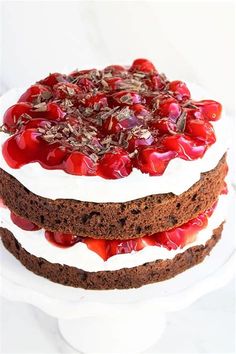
[(201, 130), (53, 79), (50, 111), (55, 156), (99, 245), (23, 223), (13, 113), (211, 110), (29, 139), (138, 140), (142, 65), (36, 94), (140, 110), (114, 119), (85, 84), (79, 164), (180, 90), (115, 164), (62, 240), (123, 120), (154, 160), (22, 148), (127, 98), (163, 125), (96, 102), (11, 153), (64, 90), (193, 113), (115, 70), (155, 82), (169, 108), (36, 123), (114, 83), (186, 148)]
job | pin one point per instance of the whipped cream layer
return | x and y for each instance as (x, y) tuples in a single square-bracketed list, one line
[(81, 257), (178, 177)]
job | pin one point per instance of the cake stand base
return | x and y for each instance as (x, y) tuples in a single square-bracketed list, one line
[(133, 333)]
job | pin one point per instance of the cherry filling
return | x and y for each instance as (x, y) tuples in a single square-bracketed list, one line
[(107, 122), (173, 239)]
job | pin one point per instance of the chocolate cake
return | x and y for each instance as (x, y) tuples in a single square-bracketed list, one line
[(118, 173)]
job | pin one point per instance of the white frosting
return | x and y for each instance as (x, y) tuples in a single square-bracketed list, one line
[(179, 176), (81, 257)]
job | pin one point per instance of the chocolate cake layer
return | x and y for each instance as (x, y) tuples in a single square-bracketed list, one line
[(131, 219), (120, 279)]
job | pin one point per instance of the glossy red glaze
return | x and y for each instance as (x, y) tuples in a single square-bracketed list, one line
[(36, 93), (116, 164)]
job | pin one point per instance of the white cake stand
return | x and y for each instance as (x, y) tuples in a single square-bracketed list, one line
[(119, 321)]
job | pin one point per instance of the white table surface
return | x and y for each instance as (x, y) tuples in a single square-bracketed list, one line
[(208, 326)]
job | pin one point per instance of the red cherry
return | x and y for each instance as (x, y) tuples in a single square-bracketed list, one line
[(201, 129), (114, 83), (115, 70), (79, 164), (186, 148), (153, 160), (111, 126), (193, 113), (135, 141), (96, 102), (142, 65), (211, 110), (128, 246), (35, 94), (140, 110), (126, 98), (169, 108), (163, 125), (64, 90), (23, 223), (53, 79), (85, 84), (116, 164), (13, 113), (61, 239), (11, 153), (29, 140), (155, 82), (80, 73), (36, 123), (179, 89), (55, 156), (50, 111), (99, 246)]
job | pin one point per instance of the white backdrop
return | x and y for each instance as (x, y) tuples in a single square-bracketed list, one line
[(192, 40)]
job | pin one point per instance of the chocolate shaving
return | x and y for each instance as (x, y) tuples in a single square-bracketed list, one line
[(181, 122)]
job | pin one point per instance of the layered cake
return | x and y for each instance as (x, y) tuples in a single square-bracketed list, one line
[(112, 178)]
